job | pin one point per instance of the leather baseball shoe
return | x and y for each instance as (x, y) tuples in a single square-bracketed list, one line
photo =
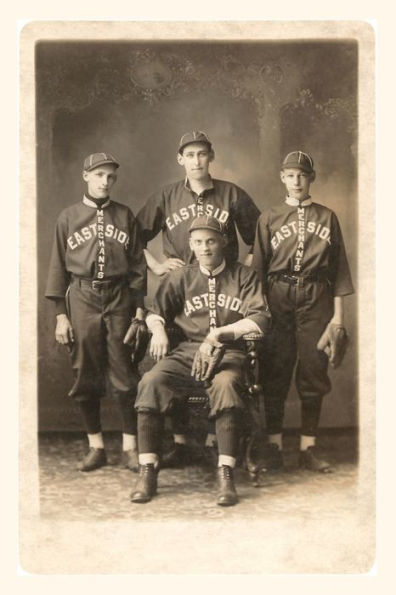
[(273, 458), (130, 459), (177, 457), (227, 495), (146, 486), (309, 460), (95, 458)]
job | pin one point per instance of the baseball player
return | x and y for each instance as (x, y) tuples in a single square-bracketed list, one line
[(172, 209), (300, 256), (97, 279), (213, 303)]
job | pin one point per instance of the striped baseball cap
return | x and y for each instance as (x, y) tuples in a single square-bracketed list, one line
[(97, 159), (207, 222), (299, 160), (196, 136)]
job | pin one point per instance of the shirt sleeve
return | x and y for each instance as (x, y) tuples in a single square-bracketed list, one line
[(254, 302), (169, 298), (151, 217), (339, 272), (137, 267), (243, 327), (262, 249), (245, 214), (58, 277)]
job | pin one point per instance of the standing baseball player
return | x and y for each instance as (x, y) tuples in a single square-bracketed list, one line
[(214, 304), (97, 279), (300, 256), (171, 210)]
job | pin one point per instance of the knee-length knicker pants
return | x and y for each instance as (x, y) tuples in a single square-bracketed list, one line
[(171, 379), (100, 318)]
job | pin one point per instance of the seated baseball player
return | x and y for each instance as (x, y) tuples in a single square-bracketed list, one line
[(97, 280), (213, 304), (170, 210)]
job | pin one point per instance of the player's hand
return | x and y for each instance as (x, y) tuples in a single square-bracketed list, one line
[(206, 359), (159, 345), (170, 264), (64, 330), (334, 342)]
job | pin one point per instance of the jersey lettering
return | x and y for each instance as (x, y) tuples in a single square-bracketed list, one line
[(299, 228), (211, 301), (193, 210), (86, 233), (98, 230)]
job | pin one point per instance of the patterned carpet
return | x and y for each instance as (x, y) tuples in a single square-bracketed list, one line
[(190, 493)]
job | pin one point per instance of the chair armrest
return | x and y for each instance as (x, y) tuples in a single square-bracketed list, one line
[(254, 336)]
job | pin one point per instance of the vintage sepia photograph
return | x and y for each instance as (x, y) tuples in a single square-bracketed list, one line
[(197, 391)]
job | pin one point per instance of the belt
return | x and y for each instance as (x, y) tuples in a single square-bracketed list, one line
[(98, 284), (299, 280)]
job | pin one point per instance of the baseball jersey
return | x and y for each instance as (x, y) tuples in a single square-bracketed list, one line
[(196, 300), (173, 208), (304, 240), (97, 244)]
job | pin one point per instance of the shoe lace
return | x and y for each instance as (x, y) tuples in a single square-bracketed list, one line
[(226, 472), (148, 468)]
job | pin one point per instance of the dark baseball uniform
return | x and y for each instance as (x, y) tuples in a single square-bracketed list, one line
[(173, 208), (196, 300), (98, 264), (300, 257)]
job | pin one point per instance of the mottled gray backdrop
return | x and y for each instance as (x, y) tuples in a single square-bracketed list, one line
[(256, 101)]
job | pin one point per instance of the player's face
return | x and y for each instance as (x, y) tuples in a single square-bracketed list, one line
[(195, 159), (208, 247), (100, 180), (297, 182)]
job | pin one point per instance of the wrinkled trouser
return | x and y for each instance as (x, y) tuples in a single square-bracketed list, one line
[(300, 314)]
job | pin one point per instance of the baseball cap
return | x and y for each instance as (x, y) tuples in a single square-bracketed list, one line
[(196, 136), (97, 159), (206, 222), (300, 160)]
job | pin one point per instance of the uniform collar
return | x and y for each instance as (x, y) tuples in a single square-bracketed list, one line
[(188, 187), (93, 205), (215, 272), (293, 202)]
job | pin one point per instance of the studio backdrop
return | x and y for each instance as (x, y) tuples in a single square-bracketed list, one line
[(256, 102)]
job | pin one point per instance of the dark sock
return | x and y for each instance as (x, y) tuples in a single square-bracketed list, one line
[(126, 405), (227, 431), (179, 417), (274, 413), (211, 426), (90, 411), (149, 428), (310, 414)]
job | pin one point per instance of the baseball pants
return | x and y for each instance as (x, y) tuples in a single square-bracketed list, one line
[(171, 379), (100, 318), (300, 314)]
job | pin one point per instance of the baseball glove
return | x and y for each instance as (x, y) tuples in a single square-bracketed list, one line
[(334, 342), (207, 359), (137, 337)]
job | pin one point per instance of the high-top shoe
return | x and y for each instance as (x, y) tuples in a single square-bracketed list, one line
[(146, 486), (226, 495)]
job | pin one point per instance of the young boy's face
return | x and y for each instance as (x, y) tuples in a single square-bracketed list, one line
[(100, 180), (297, 182), (195, 159), (208, 247)]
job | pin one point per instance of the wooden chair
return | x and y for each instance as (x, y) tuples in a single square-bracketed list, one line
[(252, 441)]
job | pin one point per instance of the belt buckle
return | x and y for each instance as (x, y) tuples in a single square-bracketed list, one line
[(96, 284), (298, 280)]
